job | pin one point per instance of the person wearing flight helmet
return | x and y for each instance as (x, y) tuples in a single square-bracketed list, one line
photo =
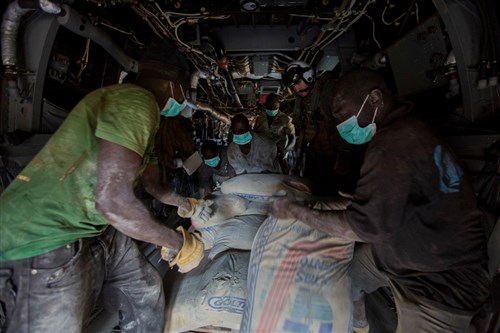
[(331, 163), (299, 77)]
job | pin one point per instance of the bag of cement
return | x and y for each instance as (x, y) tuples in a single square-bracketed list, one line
[(234, 233), (224, 207), (211, 295), (298, 279), (262, 187), (233, 224)]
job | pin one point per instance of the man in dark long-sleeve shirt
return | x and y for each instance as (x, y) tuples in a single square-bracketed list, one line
[(413, 210)]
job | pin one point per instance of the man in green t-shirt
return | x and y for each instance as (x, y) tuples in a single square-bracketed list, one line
[(68, 218)]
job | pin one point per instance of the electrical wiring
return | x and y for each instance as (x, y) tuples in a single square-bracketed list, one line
[(329, 40), (408, 13), (336, 31), (304, 56), (142, 13), (327, 28), (213, 94), (405, 13), (84, 61), (343, 11), (131, 35), (389, 5), (169, 24), (151, 17), (361, 13), (373, 31), (107, 25), (186, 18), (311, 16)]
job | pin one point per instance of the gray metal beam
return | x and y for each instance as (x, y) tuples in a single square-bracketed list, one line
[(463, 25), (264, 38), (38, 39)]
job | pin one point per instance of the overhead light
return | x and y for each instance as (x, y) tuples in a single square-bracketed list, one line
[(249, 5)]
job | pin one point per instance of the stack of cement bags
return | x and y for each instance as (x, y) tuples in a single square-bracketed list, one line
[(215, 294)]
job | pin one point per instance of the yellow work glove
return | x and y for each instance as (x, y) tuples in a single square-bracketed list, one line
[(189, 256), (183, 212), (200, 210)]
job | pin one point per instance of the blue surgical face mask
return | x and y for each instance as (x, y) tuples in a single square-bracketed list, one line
[(242, 139), (271, 113), (213, 162), (351, 132), (173, 108)]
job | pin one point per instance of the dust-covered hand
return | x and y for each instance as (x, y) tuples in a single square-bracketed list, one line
[(190, 255), (281, 207), (187, 211), (203, 210), (200, 209)]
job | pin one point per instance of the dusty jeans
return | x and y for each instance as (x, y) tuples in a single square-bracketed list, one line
[(415, 313), (57, 291)]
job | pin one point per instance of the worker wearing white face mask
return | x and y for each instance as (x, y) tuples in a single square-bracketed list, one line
[(251, 152), (414, 213)]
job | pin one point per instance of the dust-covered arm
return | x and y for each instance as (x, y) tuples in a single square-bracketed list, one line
[(290, 132), (117, 168), (333, 223), (153, 185)]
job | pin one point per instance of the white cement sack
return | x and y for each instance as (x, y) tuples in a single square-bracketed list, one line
[(234, 233), (262, 187), (298, 279), (224, 207), (233, 225), (213, 294)]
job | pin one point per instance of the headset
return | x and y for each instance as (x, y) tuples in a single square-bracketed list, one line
[(296, 71)]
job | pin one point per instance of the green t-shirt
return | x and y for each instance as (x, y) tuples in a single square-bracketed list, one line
[(51, 202)]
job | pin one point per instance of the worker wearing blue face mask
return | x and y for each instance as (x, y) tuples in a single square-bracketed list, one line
[(174, 140), (414, 213), (353, 133), (173, 108), (71, 218), (215, 169), (251, 152)]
